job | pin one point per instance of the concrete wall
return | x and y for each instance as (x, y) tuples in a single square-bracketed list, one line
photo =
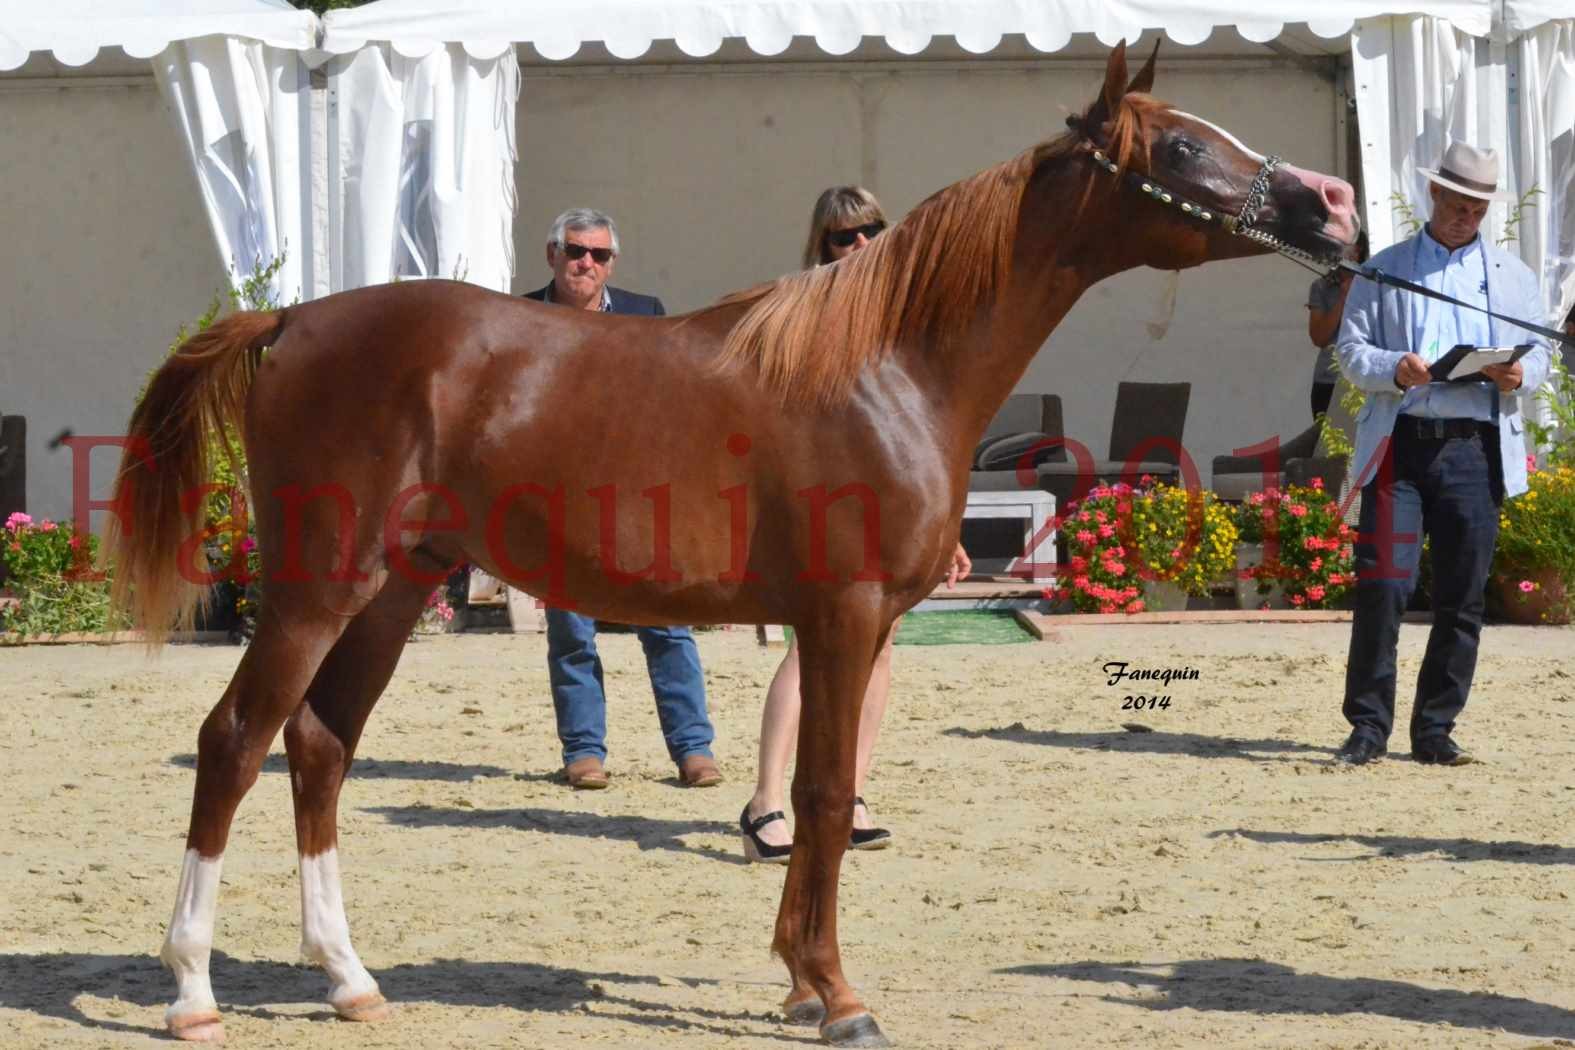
[(710, 170), (711, 175), (106, 253)]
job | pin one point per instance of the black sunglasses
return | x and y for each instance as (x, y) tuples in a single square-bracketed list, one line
[(579, 251), (845, 238)]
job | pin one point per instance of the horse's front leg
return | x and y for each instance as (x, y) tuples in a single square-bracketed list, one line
[(836, 655)]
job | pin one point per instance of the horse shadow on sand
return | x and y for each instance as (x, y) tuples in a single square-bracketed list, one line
[(49, 985), (381, 769), (1254, 986), (645, 832), (1146, 741), (1409, 845)]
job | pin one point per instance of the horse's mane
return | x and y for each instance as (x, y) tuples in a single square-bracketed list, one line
[(812, 333)]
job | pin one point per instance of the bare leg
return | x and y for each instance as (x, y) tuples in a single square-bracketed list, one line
[(268, 685), (321, 738), (837, 657), (875, 697), (778, 737)]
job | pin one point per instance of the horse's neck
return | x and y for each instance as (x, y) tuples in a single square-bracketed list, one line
[(1055, 259)]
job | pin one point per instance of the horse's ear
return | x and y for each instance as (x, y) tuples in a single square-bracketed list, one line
[(1109, 99), (1143, 83)]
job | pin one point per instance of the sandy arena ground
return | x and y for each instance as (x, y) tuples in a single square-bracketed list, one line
[(1055, 879)]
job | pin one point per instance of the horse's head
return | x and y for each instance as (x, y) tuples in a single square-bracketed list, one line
[(1201, 192)]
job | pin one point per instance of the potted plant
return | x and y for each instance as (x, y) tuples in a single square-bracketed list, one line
[(1296, 549), (50, 569), (1132, 549), (1534, 562), (1533, 573)]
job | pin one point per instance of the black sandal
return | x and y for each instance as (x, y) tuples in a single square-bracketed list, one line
[(868, 838), (756, 850)]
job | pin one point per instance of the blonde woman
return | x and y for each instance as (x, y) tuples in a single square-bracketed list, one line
[(845, 219)]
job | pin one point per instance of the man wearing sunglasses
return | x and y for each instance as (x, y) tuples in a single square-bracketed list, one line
[(581, 249)]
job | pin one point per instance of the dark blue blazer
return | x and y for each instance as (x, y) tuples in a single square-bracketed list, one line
[(622, 302)]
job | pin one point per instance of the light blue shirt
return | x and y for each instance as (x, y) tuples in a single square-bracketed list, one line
[(1439, 327), (1380, 325)]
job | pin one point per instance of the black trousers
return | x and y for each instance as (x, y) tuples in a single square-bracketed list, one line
[(1448, 489)]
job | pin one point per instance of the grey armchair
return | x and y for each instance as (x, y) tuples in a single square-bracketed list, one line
[(1024, 422), (1296, 462), (1150, 418), (13, 469)]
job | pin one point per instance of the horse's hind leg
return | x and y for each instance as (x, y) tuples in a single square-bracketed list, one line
[(268, 685), (320, 739), (836, 656)]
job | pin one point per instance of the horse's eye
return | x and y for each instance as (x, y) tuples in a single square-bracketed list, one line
[(1183, 150)]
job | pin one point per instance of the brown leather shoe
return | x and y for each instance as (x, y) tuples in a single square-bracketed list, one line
[(586, 774), (699, 771)]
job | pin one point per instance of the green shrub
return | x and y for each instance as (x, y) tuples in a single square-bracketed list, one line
[(50, 574)]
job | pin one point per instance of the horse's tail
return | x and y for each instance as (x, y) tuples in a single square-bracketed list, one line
[(195, 402)]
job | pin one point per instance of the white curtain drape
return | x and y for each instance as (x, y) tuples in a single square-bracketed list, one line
[(1545, 58), (243, 109), (421, 167), (1419, 83)]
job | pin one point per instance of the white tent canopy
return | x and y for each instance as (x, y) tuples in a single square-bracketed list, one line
[(558, 28), (75, 30), (411, 76)]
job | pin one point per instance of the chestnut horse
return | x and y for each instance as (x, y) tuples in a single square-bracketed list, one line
[(394, 431)]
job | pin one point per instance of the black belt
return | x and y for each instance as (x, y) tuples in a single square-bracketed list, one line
[(1429, 429)]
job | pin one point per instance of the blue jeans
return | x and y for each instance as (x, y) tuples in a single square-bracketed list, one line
[(580, 702), (1446, 489)]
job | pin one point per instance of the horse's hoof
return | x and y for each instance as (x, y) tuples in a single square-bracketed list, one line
[(201, 1027), (369, 1007), (858, 1030), (806, 1012)]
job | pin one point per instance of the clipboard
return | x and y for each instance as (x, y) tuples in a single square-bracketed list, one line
[(1464, 363)]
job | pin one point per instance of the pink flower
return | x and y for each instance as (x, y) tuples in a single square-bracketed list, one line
[(1314, 565), (1297, 510), (17, 520), (1099, 516), (1085, 537), (1106, 531), (1526, 586), (76, 542), (1146, 480), (1135, 607), (1531, 462), (48, 526), (248, 544), (1298, 601), (1317, 483), (1315, 592)]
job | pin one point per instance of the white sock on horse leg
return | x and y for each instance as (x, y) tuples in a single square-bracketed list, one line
[(325, 932), (189, 942)]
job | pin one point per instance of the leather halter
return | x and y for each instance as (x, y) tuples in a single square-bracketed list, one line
[(1242, 224)]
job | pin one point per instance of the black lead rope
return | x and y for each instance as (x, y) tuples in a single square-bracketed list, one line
[(1378, 276)]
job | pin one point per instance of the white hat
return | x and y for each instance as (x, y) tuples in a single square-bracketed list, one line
[(1466, 169)]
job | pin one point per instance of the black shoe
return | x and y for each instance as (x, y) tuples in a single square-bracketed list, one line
[(1361, 747), (755, 849), (1440, 751), (868, 838)]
